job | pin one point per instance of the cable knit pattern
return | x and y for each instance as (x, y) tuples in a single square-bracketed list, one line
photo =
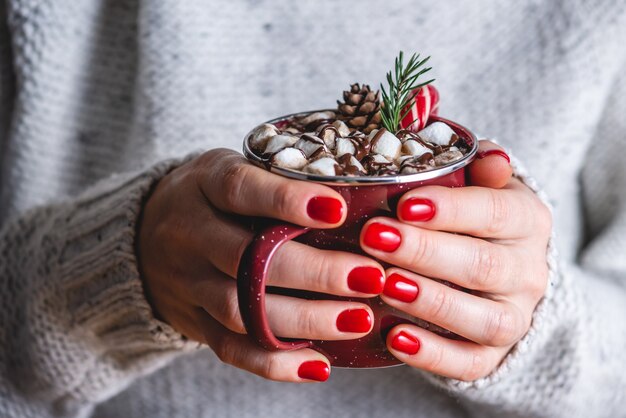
[(101, 98)]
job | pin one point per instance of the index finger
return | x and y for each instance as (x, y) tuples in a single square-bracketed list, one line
[(234, 185), (510, 213)]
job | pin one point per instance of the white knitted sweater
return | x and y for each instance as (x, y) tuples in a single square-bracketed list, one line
[(98, 96)]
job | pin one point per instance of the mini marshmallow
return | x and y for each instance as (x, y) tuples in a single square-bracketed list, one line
[(357, 164), (309, 144), (437, 132), (317, 116), (328, 136), (387, 145), (261, 134), (289, 158), (278, 142), (377, 158), (323, 167), (344, 146), (448, 157), (414, 148), (341, 127)]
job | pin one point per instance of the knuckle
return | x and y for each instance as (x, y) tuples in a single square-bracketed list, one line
[(486, 266), (325, 280), (229, 312), (233, 181), (539, 283), (543, 219), (435, 360), (306, 321), (503, 328), (444, 305), (423, 248), (272, 367), (498, 212), (228, 350), (282, 199), (477, 367)]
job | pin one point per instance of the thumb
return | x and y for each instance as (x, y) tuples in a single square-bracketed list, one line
[(491, 168)]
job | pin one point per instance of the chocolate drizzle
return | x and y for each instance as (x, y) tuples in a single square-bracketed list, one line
[(362, 144), (378, 168), (346, 167)]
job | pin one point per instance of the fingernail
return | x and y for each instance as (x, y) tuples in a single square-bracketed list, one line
[(406, 343), (354, 320), (366, 280), (325, 209), (400, 288), (314, 370), (417, 209), (482, 154), (382, 237)]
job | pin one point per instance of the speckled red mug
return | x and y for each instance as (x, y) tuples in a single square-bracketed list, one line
[(366, 198)]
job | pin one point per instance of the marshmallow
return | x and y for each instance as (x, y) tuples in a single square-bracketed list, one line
[(323, 167), (341, 127), (309, 144), (261, 134), (278, 142), (414, 148), (379, 159), (344, 146), (289, 158), (317, 116), (437, 132), (448, 157), (386, 144), (357, 164), (328, 135)]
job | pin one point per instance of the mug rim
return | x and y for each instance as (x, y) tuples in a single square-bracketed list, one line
[(362, 180)]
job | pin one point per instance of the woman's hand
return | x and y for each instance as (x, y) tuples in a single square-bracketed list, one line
[(194, 229), (492, 241)]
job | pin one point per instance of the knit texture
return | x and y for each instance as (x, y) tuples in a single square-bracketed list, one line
[(100, 99)]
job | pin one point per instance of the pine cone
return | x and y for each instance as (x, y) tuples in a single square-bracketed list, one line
[(361, 109)]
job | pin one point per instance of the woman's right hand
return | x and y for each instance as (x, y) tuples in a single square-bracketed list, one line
[(193, 231)]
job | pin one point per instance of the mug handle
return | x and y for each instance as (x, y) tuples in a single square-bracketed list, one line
[(251, 279)]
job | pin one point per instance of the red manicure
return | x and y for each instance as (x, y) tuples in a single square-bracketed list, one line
[(354, 320), (406, 343), (366, 280), (401, 288), (482, 154), (417, 209), (325, 209), (382, 237), (314, 370)]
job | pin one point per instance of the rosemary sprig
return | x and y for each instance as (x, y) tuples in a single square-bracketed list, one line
[(402, 82)]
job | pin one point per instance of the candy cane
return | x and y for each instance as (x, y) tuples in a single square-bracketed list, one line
[(426, 103)]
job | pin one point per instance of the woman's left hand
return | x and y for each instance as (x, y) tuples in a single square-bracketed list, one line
[(490, 238)]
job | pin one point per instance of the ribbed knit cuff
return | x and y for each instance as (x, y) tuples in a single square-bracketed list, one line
[(98, 272), (549, 310)]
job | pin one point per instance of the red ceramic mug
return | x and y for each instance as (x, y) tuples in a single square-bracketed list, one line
[(366, 197)]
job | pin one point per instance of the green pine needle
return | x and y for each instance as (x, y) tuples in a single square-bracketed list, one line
[(402, 82)]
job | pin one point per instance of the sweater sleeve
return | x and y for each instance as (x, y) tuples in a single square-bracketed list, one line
[(571, 362), (75, 327)]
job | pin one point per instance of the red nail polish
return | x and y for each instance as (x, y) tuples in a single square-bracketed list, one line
[(325, 209), (417, 209), (382, 237), (314, 370), (482, 154), (406, 343), (354, 320), (366, 280), (401, 288)]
